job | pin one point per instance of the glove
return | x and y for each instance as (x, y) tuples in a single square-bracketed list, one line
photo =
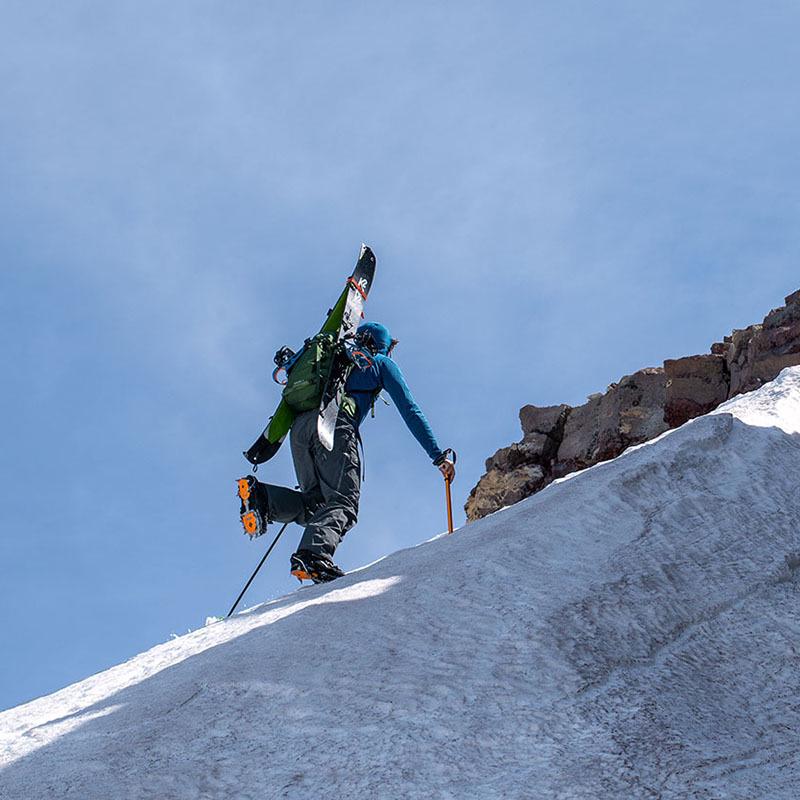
[(446, 465)]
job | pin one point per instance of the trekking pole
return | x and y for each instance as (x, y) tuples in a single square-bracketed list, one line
[(447, 493), (247, 585)]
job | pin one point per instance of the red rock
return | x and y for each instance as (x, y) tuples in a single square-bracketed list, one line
[(497, 489), (631, 412), (558, 440), (695, 386), (548, 420), (793, 298)]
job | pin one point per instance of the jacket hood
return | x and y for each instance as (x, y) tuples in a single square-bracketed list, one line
[(379, 333)]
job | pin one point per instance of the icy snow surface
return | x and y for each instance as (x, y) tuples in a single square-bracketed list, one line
[(630, 632)]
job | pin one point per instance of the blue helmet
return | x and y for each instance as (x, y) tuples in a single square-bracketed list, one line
[(375, 337)]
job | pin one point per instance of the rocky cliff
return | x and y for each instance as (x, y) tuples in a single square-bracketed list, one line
[(557, 440)]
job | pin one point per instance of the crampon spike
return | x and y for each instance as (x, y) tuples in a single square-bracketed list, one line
[(244, 489), (250, 523)]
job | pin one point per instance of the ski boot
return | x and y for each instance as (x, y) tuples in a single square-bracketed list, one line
[(306, 566), (252, 511)]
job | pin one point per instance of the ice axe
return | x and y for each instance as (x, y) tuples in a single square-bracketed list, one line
[(447, 482)]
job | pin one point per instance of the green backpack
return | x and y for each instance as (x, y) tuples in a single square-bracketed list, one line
[(308, 376)]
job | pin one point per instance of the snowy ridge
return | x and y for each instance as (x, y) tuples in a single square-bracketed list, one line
[(629, 632), (775, 405)]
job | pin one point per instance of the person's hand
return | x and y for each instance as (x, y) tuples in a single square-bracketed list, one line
[(448, 469)]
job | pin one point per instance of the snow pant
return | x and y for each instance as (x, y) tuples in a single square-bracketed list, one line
[(330, 485)]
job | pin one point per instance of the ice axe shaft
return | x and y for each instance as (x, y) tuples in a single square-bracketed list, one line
[(447, 453), (449, 506)]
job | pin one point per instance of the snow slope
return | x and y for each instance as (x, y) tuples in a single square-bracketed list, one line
[(630, 632)]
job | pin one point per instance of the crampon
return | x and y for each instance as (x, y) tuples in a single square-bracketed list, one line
[(253, 520), (306, 566)]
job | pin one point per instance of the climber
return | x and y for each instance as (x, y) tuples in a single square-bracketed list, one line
[(326, 505)]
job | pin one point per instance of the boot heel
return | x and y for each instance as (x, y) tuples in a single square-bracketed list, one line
[(301, 575)]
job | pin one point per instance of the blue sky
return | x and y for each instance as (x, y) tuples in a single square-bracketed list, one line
[(557, 193)]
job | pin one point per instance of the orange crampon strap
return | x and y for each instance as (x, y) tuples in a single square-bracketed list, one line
[(244, 489)]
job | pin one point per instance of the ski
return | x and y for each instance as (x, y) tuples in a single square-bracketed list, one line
[(345, 315), (359, 285)]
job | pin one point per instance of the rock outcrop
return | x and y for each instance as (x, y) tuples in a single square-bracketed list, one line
[(695, 386), (629, 412), (558, 440)]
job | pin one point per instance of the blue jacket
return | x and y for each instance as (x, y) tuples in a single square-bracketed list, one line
[(363, 385)]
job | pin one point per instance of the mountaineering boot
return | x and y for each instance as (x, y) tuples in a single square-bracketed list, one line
[(253, 511), (307, 566)]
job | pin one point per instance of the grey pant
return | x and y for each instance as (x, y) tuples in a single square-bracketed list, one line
[(330, 485)]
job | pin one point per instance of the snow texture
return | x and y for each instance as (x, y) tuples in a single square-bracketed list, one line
[(630, 632)]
